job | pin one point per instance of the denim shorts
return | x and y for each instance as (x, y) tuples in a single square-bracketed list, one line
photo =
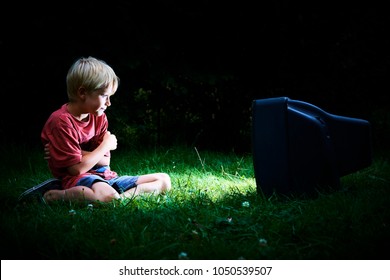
[(120, 183)]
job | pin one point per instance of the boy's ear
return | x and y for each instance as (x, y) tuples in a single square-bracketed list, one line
[(81, 92)]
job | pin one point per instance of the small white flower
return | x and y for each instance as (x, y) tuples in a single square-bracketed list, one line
[(90, 206), (72, 212), (245, 204), (183, 256), (263, 242)]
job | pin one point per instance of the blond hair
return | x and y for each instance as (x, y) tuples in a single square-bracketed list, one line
[(91, 74)]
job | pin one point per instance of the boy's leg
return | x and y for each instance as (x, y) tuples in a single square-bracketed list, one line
[(100, 191), (155, 183)]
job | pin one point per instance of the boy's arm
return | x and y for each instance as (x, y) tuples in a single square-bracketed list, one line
[(105, 160), (90, 159)]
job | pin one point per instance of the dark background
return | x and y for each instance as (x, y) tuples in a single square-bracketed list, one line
[(190, 69)]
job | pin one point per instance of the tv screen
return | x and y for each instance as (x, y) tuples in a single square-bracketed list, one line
[(299, 148)]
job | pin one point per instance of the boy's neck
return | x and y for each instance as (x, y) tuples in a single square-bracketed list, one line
[(74, 110)]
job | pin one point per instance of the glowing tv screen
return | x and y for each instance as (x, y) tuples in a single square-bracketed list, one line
[(299, 148)]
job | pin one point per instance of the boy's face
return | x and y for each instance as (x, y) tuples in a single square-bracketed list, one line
[(98, 101)]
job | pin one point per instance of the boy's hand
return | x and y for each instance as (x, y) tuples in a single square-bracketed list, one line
[(46, 152), (111, 140)]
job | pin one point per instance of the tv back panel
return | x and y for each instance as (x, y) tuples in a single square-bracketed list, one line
[(299, 148)]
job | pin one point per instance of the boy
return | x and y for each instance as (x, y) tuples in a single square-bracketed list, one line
[(78, 144)]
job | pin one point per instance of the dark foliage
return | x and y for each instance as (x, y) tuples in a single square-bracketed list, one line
[(190, 71)]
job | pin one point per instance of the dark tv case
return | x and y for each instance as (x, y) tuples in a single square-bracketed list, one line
[(299, 148)]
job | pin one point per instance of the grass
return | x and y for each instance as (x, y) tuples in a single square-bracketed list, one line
[(212, 212)]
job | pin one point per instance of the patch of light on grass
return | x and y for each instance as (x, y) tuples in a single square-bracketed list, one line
[(216, 187)]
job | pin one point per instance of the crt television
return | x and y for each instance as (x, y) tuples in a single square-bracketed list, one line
[(299, 148)]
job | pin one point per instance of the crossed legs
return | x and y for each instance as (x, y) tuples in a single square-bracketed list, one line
[(154, 183)]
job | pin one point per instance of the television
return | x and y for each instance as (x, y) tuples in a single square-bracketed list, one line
[(298, 148)]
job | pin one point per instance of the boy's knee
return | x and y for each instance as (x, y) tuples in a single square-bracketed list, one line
[(109, 197), (166, 182), (106, 196)]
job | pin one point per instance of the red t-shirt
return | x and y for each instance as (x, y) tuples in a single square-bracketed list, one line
[(68, 137)]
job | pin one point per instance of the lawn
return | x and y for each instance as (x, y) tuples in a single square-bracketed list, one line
[(212, 212)]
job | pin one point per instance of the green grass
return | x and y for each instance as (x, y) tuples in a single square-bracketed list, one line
[(212, 212)]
